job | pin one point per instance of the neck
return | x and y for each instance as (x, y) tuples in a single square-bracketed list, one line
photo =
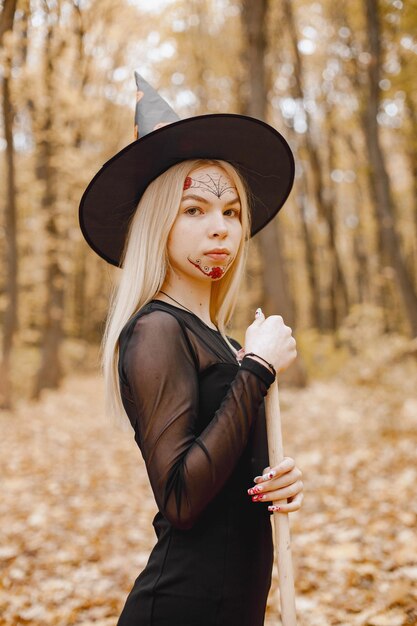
[(195, 297)]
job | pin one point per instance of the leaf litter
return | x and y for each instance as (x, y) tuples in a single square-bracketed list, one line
[(76, 507)]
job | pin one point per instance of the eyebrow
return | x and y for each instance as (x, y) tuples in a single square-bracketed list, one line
[(201, 199)]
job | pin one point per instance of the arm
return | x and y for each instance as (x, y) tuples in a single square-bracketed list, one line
[(186, 471)]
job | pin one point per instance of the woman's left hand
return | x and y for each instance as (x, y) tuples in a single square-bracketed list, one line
[(279, 483)]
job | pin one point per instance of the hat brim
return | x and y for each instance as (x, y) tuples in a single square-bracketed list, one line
[(258, 151)]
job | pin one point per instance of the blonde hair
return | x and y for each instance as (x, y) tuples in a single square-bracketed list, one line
[(145, 263)]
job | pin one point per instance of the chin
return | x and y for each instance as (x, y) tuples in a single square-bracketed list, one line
[(211, 271)]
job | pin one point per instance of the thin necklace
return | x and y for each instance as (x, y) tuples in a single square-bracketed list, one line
[(160, 291)]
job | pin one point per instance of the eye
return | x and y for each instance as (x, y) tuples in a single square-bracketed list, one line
[(192, 208), (235, 211)]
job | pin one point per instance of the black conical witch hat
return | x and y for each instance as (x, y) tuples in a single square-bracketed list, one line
[(162, 139)]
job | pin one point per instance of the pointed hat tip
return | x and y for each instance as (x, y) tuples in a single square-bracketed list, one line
[(152, 111)]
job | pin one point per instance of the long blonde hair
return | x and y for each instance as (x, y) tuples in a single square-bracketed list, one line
[(145, 263)]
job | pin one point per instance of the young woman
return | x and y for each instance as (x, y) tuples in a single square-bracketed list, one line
[(193, 396)]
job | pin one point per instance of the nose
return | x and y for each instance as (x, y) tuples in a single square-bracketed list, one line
[(218, 225)]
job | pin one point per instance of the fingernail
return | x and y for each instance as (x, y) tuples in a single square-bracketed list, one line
[(253, 490), (273, 507), (269, 475)]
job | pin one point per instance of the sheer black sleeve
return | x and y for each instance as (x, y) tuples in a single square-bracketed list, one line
[(186, 469)]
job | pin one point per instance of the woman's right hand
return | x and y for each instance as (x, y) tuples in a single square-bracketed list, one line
[(271, 339)]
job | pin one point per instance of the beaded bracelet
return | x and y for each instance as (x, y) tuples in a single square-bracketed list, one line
[(259, 357)]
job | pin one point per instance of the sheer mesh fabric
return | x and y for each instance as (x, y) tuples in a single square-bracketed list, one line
[(189, 444)]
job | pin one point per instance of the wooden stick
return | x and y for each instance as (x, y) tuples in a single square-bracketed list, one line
[(281, 520)]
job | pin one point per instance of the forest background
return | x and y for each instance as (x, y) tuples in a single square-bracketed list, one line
[(339, 262)]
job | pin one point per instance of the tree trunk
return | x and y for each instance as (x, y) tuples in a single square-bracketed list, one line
[(79, 294), (312, 278), (50, 372), (10, 319), (7, 17), (364, 287), (380, 184), (338, 297), (411, 152), (277, 298)]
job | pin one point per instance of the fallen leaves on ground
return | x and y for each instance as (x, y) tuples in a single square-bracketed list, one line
[(77, 509)]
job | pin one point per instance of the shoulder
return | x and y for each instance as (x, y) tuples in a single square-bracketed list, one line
[(151, 318), (151, 328), (148, 320)]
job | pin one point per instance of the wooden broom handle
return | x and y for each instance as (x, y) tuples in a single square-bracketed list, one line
[(281, 520)]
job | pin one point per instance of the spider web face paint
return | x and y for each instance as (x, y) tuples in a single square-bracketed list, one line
[(216, 184)]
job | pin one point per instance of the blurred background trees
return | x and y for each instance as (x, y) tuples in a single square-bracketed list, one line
[(337, 79)]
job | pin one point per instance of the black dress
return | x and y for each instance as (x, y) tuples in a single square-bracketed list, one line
[(199, 421)]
